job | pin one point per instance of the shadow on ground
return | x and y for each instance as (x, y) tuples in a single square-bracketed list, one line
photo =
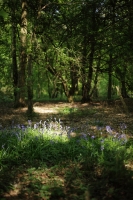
[(63, 178)]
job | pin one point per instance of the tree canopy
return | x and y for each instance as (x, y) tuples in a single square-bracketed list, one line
[(81, 47)]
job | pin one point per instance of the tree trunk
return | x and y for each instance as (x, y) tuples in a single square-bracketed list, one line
[(110, 79), (23, 57), (14, 56), (74, 82), (88, 60), (68, 92), (123, 89), (94, 91), (30, 86)]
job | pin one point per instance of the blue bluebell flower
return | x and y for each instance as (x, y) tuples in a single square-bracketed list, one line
[(108, 129), (93, 136)]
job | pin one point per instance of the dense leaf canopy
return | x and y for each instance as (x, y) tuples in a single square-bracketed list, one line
[(69, 48)]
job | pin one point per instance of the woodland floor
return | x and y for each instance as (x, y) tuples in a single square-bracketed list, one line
[(70, 114), (74, 115)]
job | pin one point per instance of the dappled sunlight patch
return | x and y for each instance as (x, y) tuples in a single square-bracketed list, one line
[(129, 166), (45, 110), (35, 183)]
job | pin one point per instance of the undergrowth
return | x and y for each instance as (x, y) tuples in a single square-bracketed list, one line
[(53, 161)]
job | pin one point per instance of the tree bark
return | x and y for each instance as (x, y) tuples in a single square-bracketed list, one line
[(23, 57), (14, 55), (110, 78), (30, 86), (88, 60)]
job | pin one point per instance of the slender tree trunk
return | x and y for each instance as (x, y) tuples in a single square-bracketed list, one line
[(94, 91), (23, 56), (110, 78), (130, 23), (30, 86), (123, 89), (84, 66), (110, 67), (88, 60), (14, 56)]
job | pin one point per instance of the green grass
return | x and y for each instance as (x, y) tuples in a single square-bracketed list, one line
[(44, 161), (76, 112)]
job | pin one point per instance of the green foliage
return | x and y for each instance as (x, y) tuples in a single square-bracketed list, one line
[(62, 36)]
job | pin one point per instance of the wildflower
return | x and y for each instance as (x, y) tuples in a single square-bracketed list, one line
[(99, 128), (108, 129), (116, 135), (23, 127), (102, 147), (30, 123), (123, 126), (123, 138), (84, 136), (44, 125), (93, 136), (35, 126)]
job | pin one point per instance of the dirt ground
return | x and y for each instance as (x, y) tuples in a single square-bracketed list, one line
[(107, 114)]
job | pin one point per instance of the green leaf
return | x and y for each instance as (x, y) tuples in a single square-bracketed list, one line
[(3, 14)]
